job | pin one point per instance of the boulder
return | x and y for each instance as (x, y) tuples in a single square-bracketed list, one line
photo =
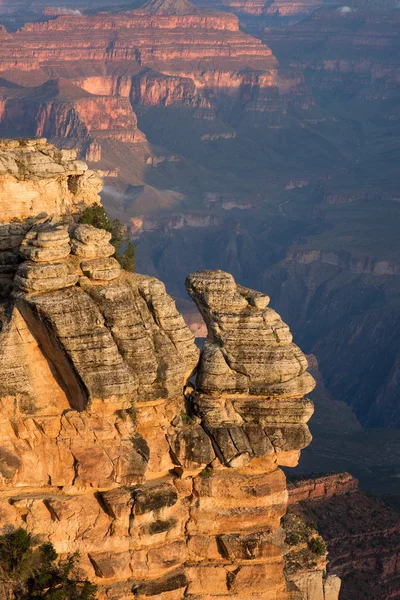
[(104, 269), (90, 242), (92, 250), (87, 234), (46, 243), (43, 255), (248, 349)]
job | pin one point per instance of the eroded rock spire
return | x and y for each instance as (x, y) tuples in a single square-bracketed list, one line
[(252, 378)]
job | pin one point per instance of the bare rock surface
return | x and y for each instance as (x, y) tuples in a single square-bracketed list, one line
[(251, 378), (101, 268), (37, 177), (89, 242)]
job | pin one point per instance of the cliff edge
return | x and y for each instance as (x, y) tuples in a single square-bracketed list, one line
[(166, 488)]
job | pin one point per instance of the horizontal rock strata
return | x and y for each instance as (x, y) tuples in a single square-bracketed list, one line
[(37, 177), (251, 378), (157, 55), (38, 180), (167, 490)]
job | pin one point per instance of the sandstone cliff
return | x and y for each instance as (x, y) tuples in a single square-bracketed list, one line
[(37, 178), (310, 139), (167, 489)]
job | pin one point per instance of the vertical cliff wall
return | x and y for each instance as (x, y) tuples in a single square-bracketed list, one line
[(167, 489)]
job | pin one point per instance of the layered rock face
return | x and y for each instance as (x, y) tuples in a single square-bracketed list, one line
[(83, 89), (36, 177), (257, 14), (361, 530), (226, 126), (321, 488), (252, 378), (167, 490)]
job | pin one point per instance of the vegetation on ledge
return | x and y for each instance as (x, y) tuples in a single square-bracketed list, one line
[(29, 571), (305, 546), (125, 251)]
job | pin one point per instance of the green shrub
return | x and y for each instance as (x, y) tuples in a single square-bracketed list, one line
[(96, 215), (16, 553), (32, 571), (207, 472), (317, 546), (292, 538), (186, 419), (127, 258), (125, 251)]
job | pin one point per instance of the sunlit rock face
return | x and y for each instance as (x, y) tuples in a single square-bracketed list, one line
[(37, 177), (252, 378), (166, 489), (83, 89)]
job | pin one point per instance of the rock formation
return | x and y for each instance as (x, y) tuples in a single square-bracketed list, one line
[(159, 54), (321, 488), (362, 532), (251, 379), (255, 15), (35, 178), (167, 489), (226, 118)]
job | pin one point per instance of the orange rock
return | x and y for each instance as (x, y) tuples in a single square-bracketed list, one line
[(106, 449)]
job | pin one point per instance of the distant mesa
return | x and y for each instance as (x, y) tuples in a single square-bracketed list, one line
[(167, 8)]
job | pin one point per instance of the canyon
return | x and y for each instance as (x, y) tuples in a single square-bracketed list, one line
[(361, 530), (259, 139), (169, 487)]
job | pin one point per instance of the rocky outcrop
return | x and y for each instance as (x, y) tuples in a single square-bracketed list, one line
[(251, 379), (320, 488), (59, 109), (361, 531), (37, 177), (166, 489), (306, 561)]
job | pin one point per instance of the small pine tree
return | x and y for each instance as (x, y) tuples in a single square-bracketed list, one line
[(317, 546), (96, 215), (127, 258), (31, 571), (16, 553)]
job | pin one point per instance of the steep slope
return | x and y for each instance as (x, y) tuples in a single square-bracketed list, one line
[(278, 167), (167, 490), (362, 533)]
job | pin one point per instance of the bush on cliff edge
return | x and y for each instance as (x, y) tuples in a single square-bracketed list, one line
[(96, 215), (28, 571)]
